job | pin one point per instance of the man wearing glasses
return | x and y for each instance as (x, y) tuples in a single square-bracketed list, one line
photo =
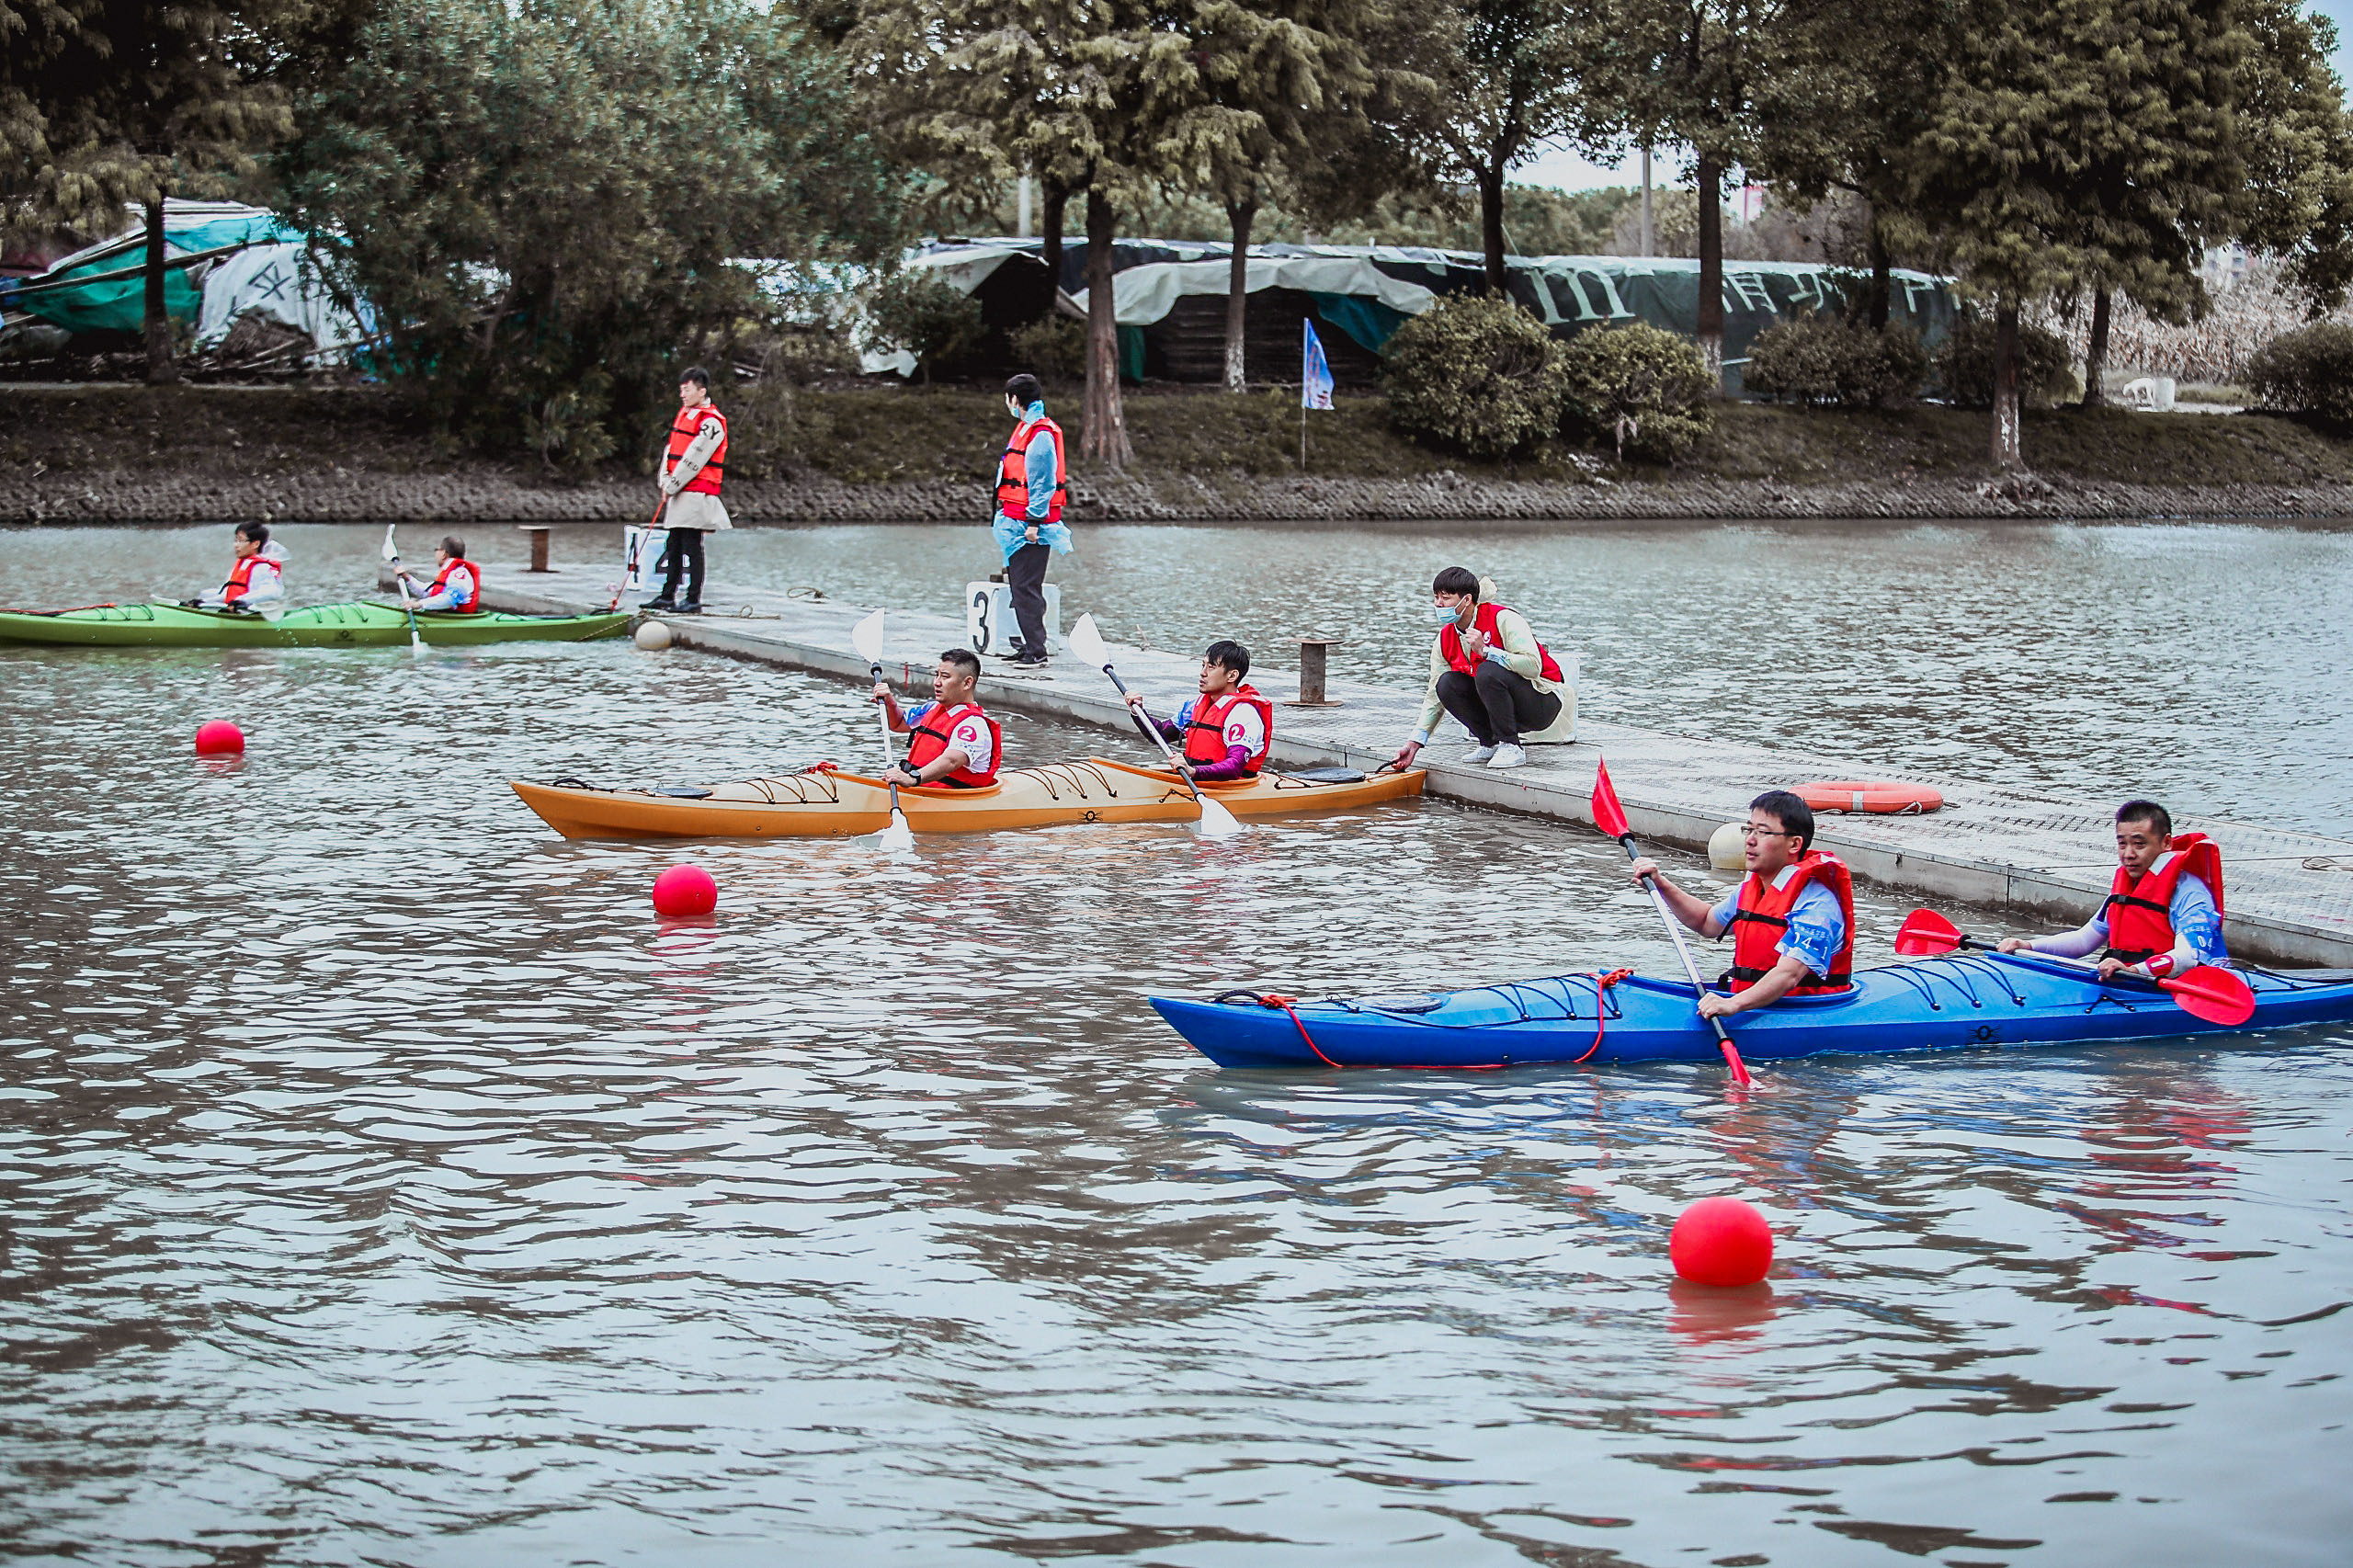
[(1792, 917)]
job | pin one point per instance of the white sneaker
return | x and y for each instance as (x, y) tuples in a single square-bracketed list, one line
[(1508, 756), (1482, 754)]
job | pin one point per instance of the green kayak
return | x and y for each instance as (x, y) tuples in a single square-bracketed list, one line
[(355, 625)]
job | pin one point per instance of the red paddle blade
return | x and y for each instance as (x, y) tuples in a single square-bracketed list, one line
[(2214, 995), (1608, 814), (1925, 932)]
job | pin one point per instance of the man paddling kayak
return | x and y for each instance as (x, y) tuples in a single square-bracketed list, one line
[(1488, 670), (2163, 913), (258, 576), (956, 743), (458, 584), (1227, 729), (1792, 917)]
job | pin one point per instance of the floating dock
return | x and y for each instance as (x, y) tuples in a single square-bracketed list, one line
[(2291, 894)]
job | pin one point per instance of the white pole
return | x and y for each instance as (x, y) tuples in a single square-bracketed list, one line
[(1646, 198), (1023, 208)]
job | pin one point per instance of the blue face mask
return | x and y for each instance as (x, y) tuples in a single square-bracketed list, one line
[(1441, 615)]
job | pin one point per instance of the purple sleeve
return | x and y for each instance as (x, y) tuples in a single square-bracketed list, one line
[(1235, 766)]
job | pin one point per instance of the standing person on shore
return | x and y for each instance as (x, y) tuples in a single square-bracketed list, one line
[(257, 573), (1488, 670), (1032, 482), (458, 585), (691, 473)]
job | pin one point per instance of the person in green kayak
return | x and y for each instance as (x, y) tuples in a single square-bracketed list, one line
[(257, 574), (1791, 919)]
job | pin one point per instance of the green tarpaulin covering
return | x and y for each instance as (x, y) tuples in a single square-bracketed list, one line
[(121, 304)]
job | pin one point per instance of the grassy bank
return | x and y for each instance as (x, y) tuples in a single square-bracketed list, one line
[(890, 438)]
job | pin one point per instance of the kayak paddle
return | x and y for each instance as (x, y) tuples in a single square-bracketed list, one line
[(867, 638), (1088, 643), (628, 570), (393, 554), (2206, 992), (1610, 817)]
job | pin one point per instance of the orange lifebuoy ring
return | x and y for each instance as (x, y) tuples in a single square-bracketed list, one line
[(1879, 798)]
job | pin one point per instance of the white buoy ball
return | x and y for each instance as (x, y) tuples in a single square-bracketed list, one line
[(653, 636), (1728, 848)]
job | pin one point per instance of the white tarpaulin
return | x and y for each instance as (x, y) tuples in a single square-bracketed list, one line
[(280, 283), (1142, 295)]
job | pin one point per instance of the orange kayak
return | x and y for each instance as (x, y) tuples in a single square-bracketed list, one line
[(835, 804)]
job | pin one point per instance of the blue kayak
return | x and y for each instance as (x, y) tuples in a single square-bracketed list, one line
[(1932, 1004)]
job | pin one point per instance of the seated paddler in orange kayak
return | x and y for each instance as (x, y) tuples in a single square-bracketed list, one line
[(1224, 731), (954, 745)]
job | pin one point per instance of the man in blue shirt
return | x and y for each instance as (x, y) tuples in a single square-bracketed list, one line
[(1032, 483)]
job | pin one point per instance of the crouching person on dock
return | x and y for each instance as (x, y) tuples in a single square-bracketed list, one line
[(1488, 670), (256, 575), (1791, 919), (2164, 913), (956, 744), (457, 587), (692, 471), (1227, 729)]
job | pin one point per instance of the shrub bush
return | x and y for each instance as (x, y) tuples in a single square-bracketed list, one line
[(1476, 372), (1637, 388), (2308, 371), (1822, 359), (917, 312), (1053, 348), (1964, 364)]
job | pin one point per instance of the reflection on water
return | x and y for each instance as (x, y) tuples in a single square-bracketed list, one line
[(382, 1184)]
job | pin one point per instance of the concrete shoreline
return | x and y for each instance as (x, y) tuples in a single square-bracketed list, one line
[(2289, 893)]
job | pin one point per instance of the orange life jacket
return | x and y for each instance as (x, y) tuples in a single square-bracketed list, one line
[(240, 576), (1763, 916), (683, 431), (1205, 742), (1012, 470), (932, 736), (1449, 642), (452, 566), (2140, 910)]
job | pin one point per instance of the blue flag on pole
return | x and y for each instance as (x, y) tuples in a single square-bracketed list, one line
[(1315, 372)]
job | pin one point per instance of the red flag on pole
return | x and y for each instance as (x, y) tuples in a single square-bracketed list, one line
[(1608, 814)]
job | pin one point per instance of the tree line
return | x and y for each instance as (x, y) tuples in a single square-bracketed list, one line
[(541, 197)]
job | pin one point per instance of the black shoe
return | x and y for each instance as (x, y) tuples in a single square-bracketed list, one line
[(657, 604), (1030, 659), (693, 606)]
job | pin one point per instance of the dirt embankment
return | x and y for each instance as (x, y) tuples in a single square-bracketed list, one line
[(135, 454)]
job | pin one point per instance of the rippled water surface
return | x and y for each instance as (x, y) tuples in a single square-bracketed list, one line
[(380, 1183)]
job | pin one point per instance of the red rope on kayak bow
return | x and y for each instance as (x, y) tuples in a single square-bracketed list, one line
[(1602, 983), (1285, 1004)]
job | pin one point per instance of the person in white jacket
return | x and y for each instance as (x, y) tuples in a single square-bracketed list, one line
[(258, 576)]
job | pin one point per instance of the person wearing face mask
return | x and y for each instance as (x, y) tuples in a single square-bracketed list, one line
[(1032, 483), (1488, 670)]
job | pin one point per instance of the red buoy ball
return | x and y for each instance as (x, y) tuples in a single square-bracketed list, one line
[(219, 738), (685, 890), (1721, 1241)]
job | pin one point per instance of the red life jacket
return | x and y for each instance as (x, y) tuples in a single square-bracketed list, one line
[(240, 576), (452, 566), (683, 431), (2140, 911), (1763, 916), (1449, 642), (1012, 470), (932, 736), (1205, 742)]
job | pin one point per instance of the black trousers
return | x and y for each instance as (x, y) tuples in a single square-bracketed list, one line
[(1497, 705), (1026, 575), (683, 558)]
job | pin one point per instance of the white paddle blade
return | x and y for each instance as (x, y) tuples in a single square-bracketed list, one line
[(1216, 821), (867, 638), (391, 551), (1087, 642), (898, 836)]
